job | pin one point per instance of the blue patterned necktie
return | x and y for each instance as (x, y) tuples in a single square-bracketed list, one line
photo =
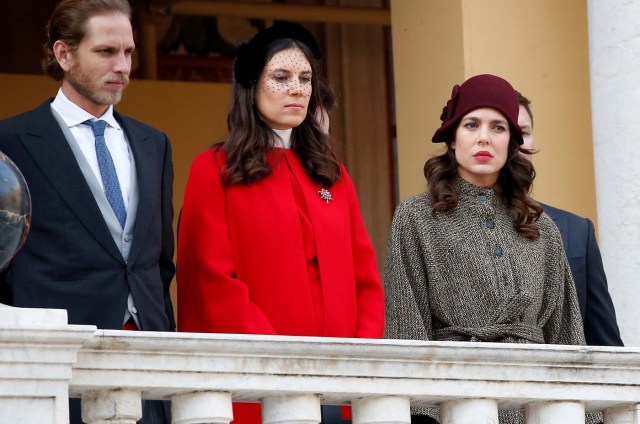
[(108, 171)]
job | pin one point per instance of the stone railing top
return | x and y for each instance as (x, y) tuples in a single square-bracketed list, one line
[(252, 367)]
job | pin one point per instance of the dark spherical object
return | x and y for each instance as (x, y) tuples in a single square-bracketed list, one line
[(15, 210)]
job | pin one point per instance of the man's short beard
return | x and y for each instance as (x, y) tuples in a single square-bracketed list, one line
[(93, 90)]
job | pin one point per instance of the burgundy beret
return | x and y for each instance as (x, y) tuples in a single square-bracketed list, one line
[(477, 92)]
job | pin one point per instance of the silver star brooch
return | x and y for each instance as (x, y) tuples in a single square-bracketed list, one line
[(325, 195)]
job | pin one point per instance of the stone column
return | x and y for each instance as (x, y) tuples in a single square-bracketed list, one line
[(614, 50), (381, 409), (291, 409), (554, 413), (469, 411)]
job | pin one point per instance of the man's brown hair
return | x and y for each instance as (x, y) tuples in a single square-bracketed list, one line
[(68, 23), (526, 104)]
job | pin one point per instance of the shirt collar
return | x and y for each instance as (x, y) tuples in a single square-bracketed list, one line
[(73, 115)]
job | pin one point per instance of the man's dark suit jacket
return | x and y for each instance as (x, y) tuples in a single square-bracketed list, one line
[(69, 260), (596, 307)]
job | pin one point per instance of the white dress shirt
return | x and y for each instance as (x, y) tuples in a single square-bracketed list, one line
[(74, 116)]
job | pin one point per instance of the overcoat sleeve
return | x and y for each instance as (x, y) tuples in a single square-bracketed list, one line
[(167, 267), (210, 296), (600, 326), (369, 292), (405, 281)]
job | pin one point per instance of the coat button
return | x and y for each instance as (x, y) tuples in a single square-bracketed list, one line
[(490, 224), (497, 251), (482, 197)]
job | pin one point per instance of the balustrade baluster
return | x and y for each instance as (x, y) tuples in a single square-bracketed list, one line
[(555, 412), (381, 409), (111, 406), (469, 411), (624, 414), (291, 409), (201, 407)]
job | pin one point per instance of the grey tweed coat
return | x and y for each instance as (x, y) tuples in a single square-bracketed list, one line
[(468, 275)]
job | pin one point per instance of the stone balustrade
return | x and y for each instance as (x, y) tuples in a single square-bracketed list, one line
[(292, 376)]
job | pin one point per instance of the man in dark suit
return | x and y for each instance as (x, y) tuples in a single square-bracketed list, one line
[(101, 238), (578, 238)]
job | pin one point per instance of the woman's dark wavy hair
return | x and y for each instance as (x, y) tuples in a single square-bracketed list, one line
[(250, 138), (514, 183)]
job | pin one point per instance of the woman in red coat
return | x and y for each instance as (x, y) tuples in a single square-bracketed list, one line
[(271, 238)]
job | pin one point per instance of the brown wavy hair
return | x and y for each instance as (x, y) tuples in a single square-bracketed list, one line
[(68, 23), (249, 138), (514, 184)]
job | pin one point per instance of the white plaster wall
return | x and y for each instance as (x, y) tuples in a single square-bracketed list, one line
[(614, 48)]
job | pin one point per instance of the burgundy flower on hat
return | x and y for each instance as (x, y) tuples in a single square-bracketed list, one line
[(449, 110)]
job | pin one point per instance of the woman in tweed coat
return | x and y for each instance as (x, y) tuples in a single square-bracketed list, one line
[(474, 258)]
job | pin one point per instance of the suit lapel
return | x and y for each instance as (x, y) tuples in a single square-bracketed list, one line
[(561, 223), (50, 150), (143, 154)]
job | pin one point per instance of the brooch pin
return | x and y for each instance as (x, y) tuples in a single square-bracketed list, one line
[(325, 195)]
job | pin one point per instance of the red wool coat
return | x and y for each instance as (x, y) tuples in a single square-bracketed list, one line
[(241, 260)]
